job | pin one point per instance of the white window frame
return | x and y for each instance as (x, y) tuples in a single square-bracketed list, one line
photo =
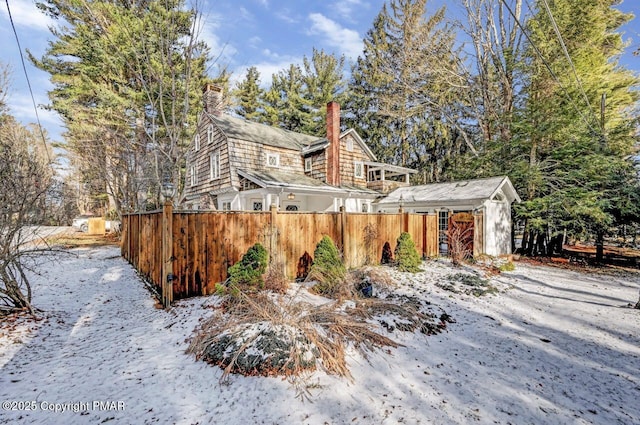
[(257, 201), (210, 133), (357, 175), (214, 165), (365, 207), (197, 142), (308, 164), (193, 177), (226, 206), (276, 156)]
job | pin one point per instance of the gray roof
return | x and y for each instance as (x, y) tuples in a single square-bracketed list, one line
[(241, 129), (453, 192), (294, 181)]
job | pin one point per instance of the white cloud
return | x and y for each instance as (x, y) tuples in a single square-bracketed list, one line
[(254, 42), (25, 14), (287, 16), (267, 68), (265, 3), (208, 33), (345, 8), (345, 40)]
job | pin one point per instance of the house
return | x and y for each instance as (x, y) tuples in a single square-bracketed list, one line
[(490, 198), (234, 164)]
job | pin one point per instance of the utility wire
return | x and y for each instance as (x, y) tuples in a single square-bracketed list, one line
[(24, 67), (546, 64), (566, 54)]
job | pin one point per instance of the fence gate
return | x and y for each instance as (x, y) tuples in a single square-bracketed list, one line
[(460, 234)]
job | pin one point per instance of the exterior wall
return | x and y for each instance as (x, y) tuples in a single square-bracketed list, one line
[(347, 160), (497, 228), (200, 159), (318, 166)]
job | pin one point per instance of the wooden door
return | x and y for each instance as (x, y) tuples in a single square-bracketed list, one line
[(460, 233)]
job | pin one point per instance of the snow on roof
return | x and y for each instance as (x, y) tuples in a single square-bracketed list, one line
[(464, 190)]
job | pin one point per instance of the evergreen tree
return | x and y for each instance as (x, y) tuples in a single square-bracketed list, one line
[(572, 158), (248, 95), (406, 86)]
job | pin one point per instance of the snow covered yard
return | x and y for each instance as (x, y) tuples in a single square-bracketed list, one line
[(551, 347)]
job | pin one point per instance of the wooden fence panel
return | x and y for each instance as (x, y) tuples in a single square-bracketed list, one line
[(431, 231), (206, 244)]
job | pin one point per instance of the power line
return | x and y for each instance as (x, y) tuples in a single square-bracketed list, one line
[(24, 68), (566, 54), (546, 64)]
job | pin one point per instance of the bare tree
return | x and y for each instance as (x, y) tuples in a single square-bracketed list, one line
[(25, 177)]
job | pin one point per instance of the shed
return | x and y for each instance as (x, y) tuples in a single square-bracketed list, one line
[(489, 200)]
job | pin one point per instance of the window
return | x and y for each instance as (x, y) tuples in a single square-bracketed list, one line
[(358, 169), (291, 208), (257, 205), (214, 165), (443, 227), (226, 206), (307, 164), (210, 133), (197, 142), (193, 178), (349, 144), (273, 160), (365, 207)]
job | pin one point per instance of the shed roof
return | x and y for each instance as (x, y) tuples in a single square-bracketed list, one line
[(300, 182), (453, 192)]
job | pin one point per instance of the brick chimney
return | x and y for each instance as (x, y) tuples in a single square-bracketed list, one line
[(333, 136), (213, 99)]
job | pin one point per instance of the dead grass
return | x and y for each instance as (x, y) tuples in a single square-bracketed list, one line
[(326, 328), (78, 239)]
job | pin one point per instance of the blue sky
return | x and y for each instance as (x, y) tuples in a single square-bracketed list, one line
[(268, 34)]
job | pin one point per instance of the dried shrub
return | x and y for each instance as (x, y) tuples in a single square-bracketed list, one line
[(327, 268), (407, 257), (370, 236), (249, 270), (374, 277), (275, 279), (460, 250), (267, 335)]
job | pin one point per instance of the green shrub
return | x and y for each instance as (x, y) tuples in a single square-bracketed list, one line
[(327, 267), (249, 270), (407, 258), (507, 267)]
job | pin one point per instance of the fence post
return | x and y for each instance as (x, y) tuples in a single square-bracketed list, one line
[(272, 234), (343, 232), (167, 254)]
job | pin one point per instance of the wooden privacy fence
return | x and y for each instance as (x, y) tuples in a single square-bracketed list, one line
[(200, 246)]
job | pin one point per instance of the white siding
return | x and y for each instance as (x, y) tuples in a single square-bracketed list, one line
[(497, 220)]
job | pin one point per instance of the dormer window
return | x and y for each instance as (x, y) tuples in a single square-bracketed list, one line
[(210, 133), (308, 164), (273, 160), (349, 144), (196, 143)]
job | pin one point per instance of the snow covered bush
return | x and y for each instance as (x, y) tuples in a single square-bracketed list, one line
[(407, 257)]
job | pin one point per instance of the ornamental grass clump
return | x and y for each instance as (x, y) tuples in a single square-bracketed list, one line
[(407, 257), (327, 268), (250, 269)]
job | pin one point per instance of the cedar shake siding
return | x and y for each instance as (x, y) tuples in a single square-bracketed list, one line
[(351, 152)]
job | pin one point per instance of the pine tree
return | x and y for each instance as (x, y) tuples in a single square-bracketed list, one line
[(248, 95), (405, 86)]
